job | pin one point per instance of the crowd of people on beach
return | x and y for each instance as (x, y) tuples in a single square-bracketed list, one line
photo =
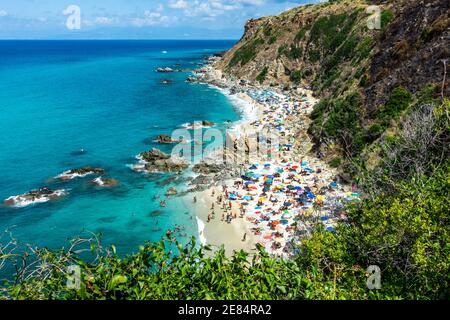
[(284, 196)]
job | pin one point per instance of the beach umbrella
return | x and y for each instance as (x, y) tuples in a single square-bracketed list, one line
[(321, 198), (249, 174)]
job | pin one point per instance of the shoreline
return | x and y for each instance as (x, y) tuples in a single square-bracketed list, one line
[(286, 112)]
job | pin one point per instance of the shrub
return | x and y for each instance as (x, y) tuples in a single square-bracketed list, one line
[(301, 34), (335, 163), (296, 76), (262, 75), (398, 102), (386, 17), (405, 233), (246, 53)]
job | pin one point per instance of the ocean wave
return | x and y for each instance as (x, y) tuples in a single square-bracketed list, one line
[(79, 173), (201, 231), (33, 197)]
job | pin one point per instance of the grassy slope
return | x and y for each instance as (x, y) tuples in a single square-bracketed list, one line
[(359, 73)]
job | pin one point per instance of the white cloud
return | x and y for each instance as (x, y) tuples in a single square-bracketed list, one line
[(103, 20), (3, 13), (152, 19), (179, 4), (214, 8)]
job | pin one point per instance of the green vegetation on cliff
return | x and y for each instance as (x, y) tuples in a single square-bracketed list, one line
[(383, 120)]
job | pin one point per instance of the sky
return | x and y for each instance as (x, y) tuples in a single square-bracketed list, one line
[(133, 19)]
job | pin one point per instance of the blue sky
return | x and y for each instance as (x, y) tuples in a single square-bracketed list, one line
[(135, 19)]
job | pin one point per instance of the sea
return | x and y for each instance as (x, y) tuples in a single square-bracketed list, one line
[(103, 97)]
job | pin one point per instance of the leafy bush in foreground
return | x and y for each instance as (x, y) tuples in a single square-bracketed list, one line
[(407, 235)]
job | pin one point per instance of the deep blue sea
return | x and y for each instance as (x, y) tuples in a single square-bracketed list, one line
[(57, 97)]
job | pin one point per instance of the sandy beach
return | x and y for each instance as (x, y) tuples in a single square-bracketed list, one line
[(280, 195)]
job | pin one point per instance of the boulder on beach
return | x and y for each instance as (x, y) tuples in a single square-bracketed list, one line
[(80, 172), (206, 168), (172, 192), (201, 180)]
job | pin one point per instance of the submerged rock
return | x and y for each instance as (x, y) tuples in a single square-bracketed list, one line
[(203, 123), (155, 213), (80, 152), (167, 82), (105, 182), (172, 192)]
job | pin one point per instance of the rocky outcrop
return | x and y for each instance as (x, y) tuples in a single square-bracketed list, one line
[(157, 161), (203, 123), (165, 139), (165, 70), (205, 168), (352, 68), (80, 173), (105, 182), (35, 196)]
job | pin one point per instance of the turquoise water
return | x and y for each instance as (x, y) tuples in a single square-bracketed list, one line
[(105, 97)]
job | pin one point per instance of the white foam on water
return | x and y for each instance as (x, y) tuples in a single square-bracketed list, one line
[(22, 201), (201, 231), (99, 181), (66, 175)]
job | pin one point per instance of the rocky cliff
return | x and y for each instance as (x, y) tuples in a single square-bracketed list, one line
[(365, 73)]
